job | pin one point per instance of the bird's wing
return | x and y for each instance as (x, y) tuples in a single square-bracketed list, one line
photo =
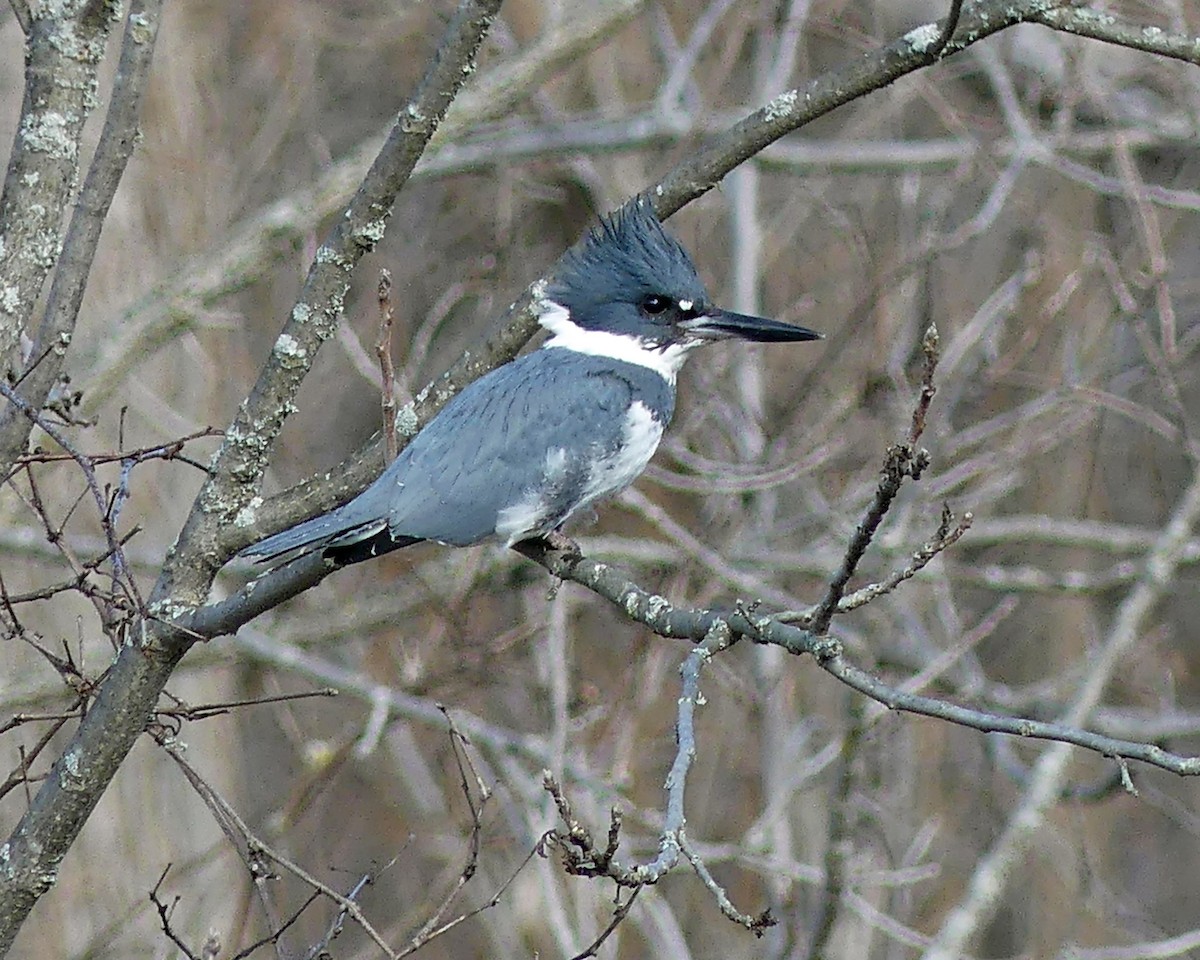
[(528, 428)]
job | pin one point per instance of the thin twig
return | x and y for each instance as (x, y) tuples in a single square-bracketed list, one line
[(902, 461), (583, 857), (253, 850), (948, 27), (161, 451), (931, 353), (334, 930), (272, 938), (387, 372), (164, 915), (474, 912), (755, 924), (206, 711), (619, 914), (433, 927), (93, 484), (21, 775), (945, 537)]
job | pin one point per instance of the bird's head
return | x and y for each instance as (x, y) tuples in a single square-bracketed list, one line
[(630, 279)]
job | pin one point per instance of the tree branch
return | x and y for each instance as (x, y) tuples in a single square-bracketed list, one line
[(1085, 22), (693, 178), (26, 264), (257, 242), (143, 666), (990, 877)]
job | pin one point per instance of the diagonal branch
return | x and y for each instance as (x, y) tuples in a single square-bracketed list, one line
[(225, 500), (74, 263), (668, 620), (126, 699), (256, 243), (1085, 22), (992, 873), (785, 114)]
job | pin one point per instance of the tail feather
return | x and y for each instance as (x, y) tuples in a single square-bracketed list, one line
[(330, 529), (344, 551)]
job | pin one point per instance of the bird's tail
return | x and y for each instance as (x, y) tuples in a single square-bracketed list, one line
[(344, 538)]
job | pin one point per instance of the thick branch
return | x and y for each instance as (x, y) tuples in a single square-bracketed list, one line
[(62, 55), (131, 689), (704, 170), (243, 457)]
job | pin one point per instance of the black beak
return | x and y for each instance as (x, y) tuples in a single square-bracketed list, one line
[(723, 325)]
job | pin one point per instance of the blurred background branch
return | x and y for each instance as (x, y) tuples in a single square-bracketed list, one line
[(1031, 188)]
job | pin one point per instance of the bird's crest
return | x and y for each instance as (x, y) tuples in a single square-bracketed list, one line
[(622, 260)]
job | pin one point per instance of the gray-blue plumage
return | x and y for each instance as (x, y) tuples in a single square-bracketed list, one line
[(520, 450), (625, 258)]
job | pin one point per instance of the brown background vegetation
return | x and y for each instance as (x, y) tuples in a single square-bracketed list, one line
[(1058, 276)]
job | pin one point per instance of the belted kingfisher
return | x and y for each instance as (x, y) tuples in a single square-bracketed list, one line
[(516, 453)]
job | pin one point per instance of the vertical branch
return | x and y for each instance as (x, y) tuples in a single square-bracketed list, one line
[(841, 833), (37, 153), (224, 506), (387, 372), (995, 870), (131, 688), (904, 460), (63, 50)]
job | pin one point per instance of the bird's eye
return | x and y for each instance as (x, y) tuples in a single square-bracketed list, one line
[(654, 304)]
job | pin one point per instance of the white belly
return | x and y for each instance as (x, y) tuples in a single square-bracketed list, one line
[(540, 510), (613, 474)]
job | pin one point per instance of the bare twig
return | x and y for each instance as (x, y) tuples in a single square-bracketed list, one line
[(947, 28), (619, 914), (387, 372), (476, 911), (75, 49), (755, 924), (164, 915), (161, 451), (120, 568), (319, 950), (931, 353), (948, 533), (433, 926), (212, 948), (582, 856), (206, 711), (254, 851), (21, 776), (901, 462)]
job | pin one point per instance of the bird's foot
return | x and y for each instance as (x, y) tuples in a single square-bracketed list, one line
[(559, 542)]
